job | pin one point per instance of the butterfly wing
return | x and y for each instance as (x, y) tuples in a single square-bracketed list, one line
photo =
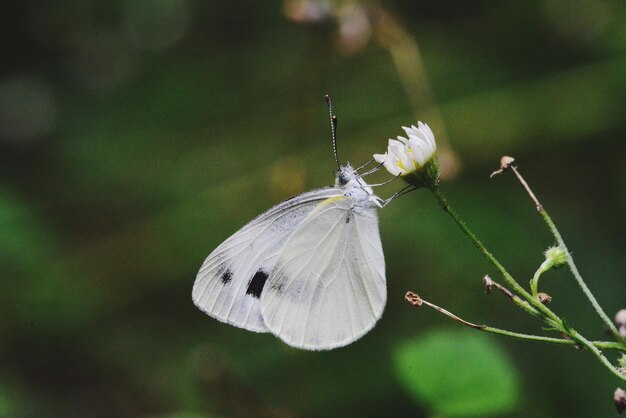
[(328, 286), (231, 279)]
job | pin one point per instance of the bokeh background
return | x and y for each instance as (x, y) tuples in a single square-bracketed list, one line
[(137, 135)]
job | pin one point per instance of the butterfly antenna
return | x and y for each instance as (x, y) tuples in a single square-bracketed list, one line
[(333, 127)]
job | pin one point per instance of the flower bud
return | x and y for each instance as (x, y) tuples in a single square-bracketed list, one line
[(413, 298), (619, 397), (505, 163), (544, 298), (487, 283), (556, 257), (620, 321)]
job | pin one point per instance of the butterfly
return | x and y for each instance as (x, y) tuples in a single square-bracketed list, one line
[(310, 270)]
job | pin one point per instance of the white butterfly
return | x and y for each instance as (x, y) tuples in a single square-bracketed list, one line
[(310, 270)]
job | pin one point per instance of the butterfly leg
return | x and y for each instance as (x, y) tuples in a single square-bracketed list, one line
[(373, 170), (402, 192), (386, 182)]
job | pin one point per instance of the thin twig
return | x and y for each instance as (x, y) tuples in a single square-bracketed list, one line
[(494, 261), (596, 352), (550, 317), (527, 187), (415, 300), (488, 282), (570, 261)]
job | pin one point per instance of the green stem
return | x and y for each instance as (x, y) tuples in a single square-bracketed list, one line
[(416, 300), (550, 316), (522, 304), (596, 352), (521, 336), (505, 274), (534, 282), (570, 260), (593, 346), (610, 345), (558, 341), (578, 277)]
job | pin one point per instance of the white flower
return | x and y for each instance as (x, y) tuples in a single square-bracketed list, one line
[(406, 156)]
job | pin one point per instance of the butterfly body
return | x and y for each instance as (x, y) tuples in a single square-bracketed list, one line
[(310, 270)]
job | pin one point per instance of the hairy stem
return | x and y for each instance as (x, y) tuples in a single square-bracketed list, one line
[(534, 282), (550, 317), (596, 352), (505, 274), (570, 261)]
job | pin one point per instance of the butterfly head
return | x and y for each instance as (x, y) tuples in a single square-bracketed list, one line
[(355, 187), (345, 175)]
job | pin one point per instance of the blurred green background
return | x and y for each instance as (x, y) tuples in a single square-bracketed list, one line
[(135, 136)]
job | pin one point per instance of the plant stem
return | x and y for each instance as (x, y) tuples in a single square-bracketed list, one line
[(593, 346), (581, 283), (488, 282), (596, 352), (609, 345), (505, 274), (570, 260), (416, 300), (551, 317), (520, 336), (534, 282)]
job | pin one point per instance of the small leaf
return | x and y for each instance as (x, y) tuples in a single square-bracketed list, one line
[(457, 373)]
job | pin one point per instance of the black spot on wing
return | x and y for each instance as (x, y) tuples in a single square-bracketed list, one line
[(255, 287), (226, 277)]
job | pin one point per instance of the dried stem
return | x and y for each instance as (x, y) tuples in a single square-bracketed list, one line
[(415, 300), (488, 282), (527, 187)]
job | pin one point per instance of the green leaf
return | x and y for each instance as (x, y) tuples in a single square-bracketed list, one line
[(457, 373)]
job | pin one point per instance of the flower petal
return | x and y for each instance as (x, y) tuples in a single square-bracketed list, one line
[(406, 155), (380, 158)]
